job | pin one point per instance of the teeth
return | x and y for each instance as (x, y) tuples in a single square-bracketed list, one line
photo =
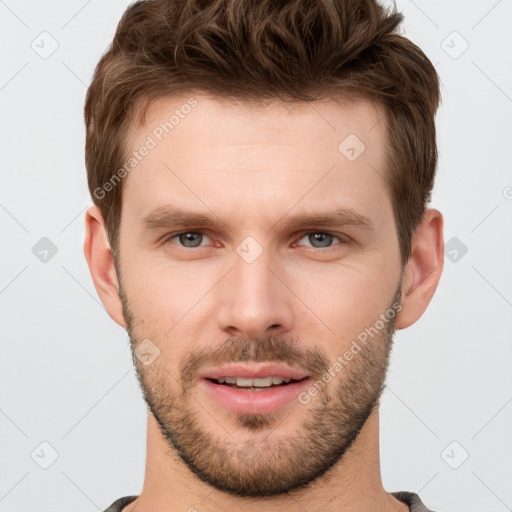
[(257, 383)]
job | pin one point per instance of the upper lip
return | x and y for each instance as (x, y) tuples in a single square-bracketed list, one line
[(253, 371)]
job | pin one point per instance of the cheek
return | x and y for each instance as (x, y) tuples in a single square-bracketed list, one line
[(165, 295), (346, 299)]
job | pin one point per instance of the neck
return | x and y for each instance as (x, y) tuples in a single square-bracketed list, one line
[(354, 483)]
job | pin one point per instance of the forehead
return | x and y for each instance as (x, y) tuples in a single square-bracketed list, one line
[(233, 122), (212, 150), (221, 117)]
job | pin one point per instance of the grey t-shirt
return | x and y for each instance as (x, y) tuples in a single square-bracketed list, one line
[(410, 498)]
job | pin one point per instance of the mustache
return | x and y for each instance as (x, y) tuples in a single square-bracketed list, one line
[(271, 349)]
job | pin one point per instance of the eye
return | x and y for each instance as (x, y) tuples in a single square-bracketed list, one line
[(188, 239), (321, 239), (316, 239)]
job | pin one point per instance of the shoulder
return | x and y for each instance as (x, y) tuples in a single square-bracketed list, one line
[(411, 499), (119, 504)]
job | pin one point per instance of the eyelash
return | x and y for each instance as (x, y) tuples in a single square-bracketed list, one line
[(302, 235)]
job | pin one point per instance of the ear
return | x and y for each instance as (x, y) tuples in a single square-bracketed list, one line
[(101, 264), (423, 270)]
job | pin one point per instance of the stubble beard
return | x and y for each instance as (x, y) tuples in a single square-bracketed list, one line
[(265, 463)]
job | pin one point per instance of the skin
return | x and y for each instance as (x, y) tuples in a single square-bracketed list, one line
[(301, 301)]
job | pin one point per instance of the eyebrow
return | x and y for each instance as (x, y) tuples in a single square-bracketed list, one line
[(172, 216)]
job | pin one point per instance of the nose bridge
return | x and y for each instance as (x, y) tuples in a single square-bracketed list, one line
[(253, 298)]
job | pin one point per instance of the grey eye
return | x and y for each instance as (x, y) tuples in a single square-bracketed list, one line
[(190, 239), (323, 239), (320, 240)]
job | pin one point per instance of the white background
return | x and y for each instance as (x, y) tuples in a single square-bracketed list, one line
[(66, 372)]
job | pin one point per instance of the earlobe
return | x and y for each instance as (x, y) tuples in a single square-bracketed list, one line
[(423, 270), (101, 264)]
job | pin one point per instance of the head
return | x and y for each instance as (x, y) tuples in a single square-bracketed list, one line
[(261, 173)]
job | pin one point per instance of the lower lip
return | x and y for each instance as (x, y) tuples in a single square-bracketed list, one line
[(255, 402)]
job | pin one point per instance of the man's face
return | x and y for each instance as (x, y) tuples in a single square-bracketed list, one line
[(258, 286)]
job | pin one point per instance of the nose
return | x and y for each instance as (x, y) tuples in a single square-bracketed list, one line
[(254, 300)]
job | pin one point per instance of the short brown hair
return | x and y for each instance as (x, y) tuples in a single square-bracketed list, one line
[(260, 50)]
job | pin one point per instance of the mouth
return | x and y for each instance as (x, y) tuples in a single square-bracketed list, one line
[(254, 389), (258, 384), (254, 371)]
